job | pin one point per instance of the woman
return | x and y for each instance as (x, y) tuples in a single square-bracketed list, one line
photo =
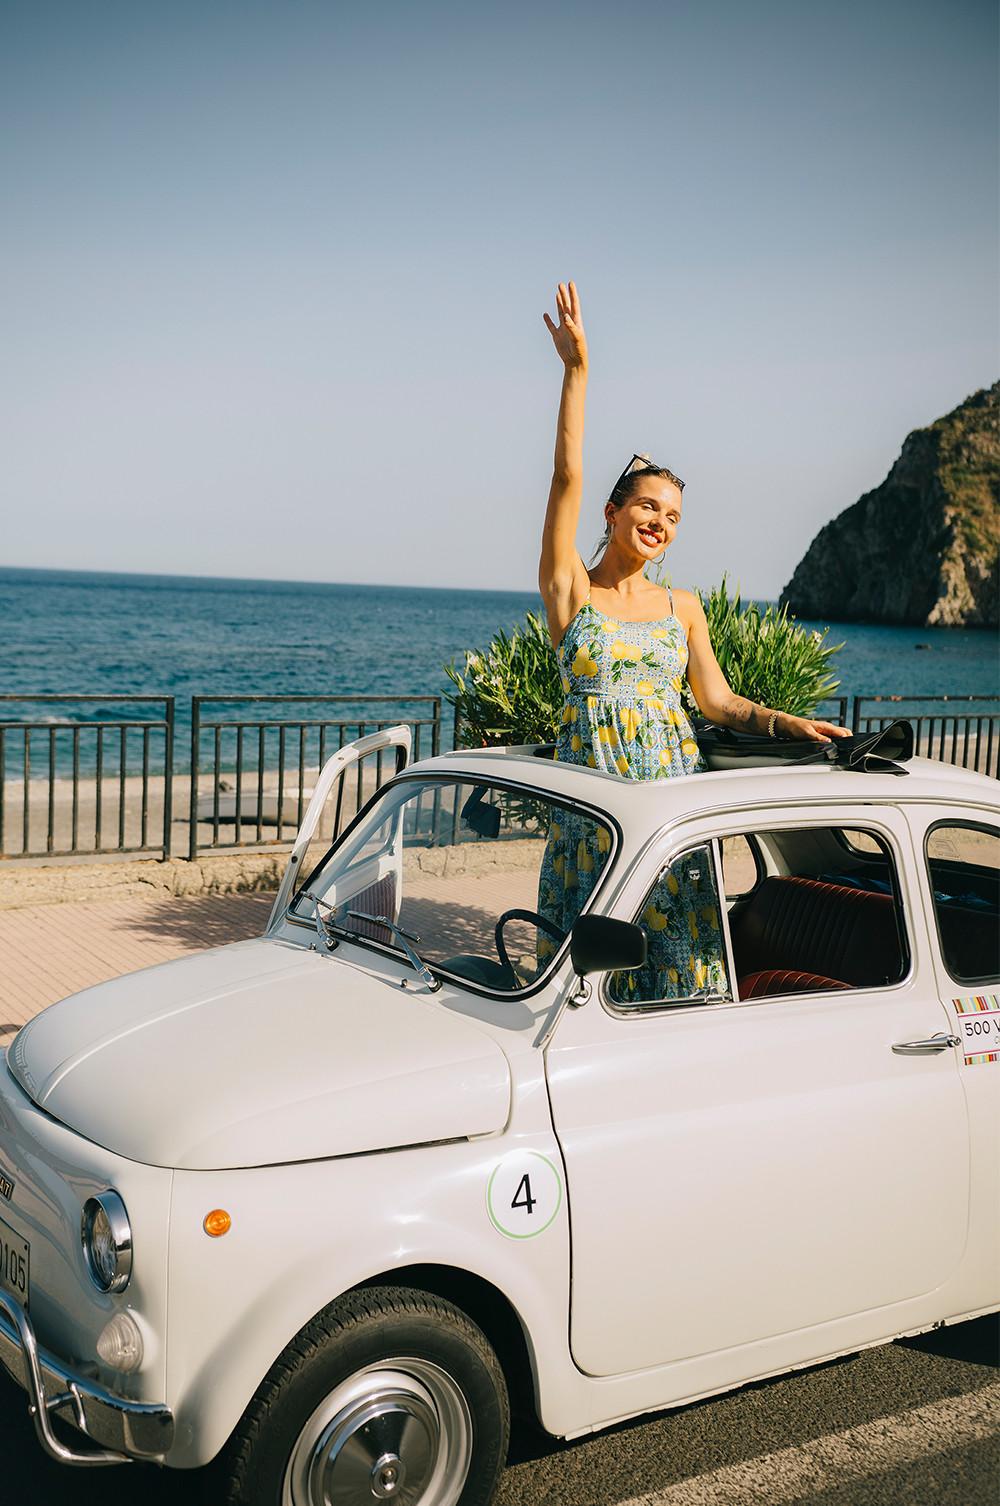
[(624, 646)]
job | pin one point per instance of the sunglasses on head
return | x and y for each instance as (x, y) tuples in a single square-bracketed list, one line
[(640, 463)]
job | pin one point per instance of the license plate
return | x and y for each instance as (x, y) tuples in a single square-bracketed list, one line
[(15, 1254)]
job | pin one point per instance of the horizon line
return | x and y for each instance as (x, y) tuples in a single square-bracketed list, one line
[(257, 580)]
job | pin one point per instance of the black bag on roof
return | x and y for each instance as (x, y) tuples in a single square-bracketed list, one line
[(866, 753)]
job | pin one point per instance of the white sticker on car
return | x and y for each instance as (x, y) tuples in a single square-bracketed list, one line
[(524, 1194), (979, 1026)]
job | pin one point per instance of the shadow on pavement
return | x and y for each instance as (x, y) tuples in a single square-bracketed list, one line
[(976, 1342), (30, 1478), (208, 920)]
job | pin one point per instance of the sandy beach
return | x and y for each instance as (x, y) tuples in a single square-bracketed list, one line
[(122, 821), (270, 814)]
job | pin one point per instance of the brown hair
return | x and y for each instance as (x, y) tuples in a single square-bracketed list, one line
[(622, 491)]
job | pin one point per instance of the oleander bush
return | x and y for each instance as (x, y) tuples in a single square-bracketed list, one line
[(766, 655), (510, 691)]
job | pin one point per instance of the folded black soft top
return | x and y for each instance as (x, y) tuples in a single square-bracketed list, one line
[(878, 752)]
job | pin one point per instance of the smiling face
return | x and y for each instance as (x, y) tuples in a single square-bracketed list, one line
[(645, 524)]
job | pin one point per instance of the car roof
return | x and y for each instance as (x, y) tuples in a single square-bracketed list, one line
[(662, 800)]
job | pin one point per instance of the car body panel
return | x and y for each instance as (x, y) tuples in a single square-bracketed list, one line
[(53, 1171), (332, 1059), (747, 1187)]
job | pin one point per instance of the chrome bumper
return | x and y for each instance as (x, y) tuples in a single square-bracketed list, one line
[(122, 1430)]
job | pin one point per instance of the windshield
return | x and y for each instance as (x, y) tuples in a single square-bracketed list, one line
[(485, 880)]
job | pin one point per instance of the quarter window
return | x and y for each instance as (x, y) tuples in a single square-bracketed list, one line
[(740, 866), (964, 866), (682, 920)]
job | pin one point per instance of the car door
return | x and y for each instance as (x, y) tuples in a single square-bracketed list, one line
[(320, 823), (961, 873), (738, 1171)]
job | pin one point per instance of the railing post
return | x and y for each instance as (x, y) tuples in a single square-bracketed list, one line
[(436, 728), (168, 775), (193, 802), (856, 715)]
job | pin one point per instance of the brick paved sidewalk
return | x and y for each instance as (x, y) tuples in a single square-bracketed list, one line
[(49, 951)]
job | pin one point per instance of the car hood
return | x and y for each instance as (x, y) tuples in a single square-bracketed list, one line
[(259, 1053)]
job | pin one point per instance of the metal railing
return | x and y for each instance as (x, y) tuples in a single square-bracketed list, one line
[(70, 785), (74, 787), (258, 771), (969, 738)]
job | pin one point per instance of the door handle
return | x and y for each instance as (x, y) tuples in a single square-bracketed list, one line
[(926, 1048)]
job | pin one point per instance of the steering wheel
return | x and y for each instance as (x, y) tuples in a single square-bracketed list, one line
[(533, 917)]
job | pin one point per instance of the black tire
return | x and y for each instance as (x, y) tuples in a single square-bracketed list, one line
[(333, 1410)]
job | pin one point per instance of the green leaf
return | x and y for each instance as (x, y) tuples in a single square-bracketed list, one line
[(510, 691)]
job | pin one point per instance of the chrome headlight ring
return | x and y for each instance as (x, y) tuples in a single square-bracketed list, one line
[(107, 1241)]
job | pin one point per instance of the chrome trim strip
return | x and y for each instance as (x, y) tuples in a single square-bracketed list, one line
[(123, 1430)]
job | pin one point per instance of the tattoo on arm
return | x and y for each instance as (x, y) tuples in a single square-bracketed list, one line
[(743, 714)]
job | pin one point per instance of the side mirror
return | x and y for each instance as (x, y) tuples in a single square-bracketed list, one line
[(480, 817), (599, 945)]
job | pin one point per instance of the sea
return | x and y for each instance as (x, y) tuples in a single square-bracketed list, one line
[(82, 633)]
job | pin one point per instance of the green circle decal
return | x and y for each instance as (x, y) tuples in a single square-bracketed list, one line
[(524, 1194)]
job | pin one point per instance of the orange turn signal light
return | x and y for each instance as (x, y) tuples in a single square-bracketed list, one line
[(217, 1222)]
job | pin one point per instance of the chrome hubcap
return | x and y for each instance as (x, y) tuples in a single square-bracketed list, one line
[(397, 1431), (388, 1474)]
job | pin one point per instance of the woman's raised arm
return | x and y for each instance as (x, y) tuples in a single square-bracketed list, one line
[(562, 575)]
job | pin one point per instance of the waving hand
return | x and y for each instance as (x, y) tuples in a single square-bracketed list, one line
[(568, 336)]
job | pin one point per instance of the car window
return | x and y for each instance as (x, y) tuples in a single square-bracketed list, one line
[(740, 866), (963, 861), (826, 917), (858, 841), (683, 924), (483, 880)]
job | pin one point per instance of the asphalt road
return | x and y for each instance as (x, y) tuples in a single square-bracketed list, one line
[(908, 1424)]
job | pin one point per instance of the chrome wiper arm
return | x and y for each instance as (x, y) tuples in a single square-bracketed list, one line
[(324, 928), (403, 939)]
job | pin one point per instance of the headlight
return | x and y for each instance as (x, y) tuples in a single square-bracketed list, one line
[(107, 1241)]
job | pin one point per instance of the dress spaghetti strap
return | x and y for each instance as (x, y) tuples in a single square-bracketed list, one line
[(670, 597)]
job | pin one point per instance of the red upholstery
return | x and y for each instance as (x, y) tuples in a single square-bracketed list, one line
[(831, 931), (777, 980)]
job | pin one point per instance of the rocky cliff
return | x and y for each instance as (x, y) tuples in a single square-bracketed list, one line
[(923, 547)]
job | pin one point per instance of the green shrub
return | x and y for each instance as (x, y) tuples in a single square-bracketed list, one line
[(510, 691), (766, 656)]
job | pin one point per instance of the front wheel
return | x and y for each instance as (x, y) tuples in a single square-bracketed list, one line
[(388, 1395)]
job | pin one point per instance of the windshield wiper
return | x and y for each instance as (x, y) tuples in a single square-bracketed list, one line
[(402, 939), (324, 928), (338, 914)]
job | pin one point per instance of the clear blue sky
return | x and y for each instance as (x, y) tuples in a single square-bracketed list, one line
[(273, 274)]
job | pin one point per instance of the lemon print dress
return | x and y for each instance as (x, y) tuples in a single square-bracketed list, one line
[(623, 714)]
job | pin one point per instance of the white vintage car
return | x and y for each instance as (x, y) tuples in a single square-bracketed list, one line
[(322, 1205)]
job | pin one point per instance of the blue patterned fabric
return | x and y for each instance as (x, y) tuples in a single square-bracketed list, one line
[(623, 714), (623, 710)]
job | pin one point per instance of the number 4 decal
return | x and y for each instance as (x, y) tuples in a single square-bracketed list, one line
[(524, 1194), (528, 1202)]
